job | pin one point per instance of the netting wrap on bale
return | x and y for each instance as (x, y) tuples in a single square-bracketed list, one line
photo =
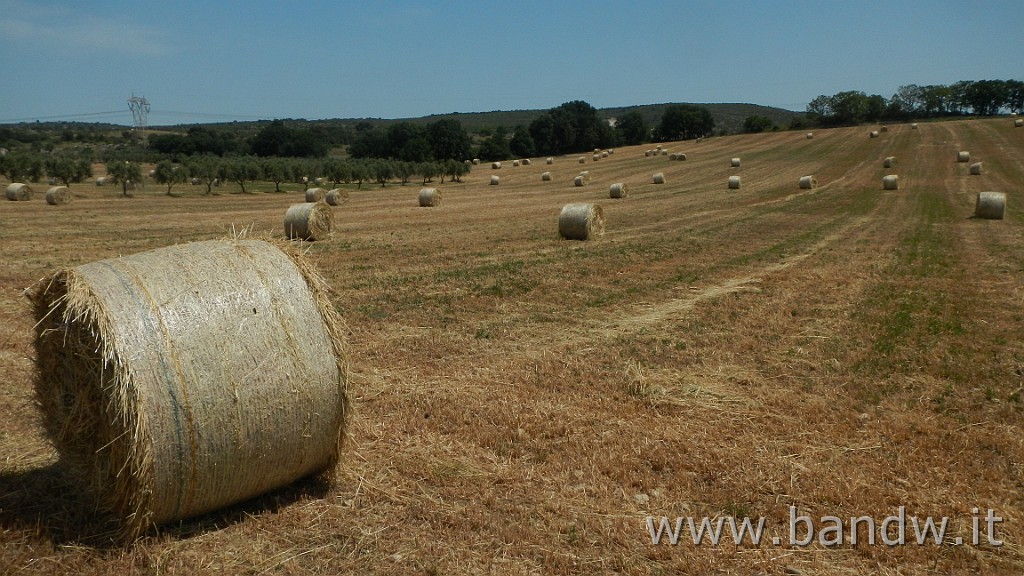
[(580, 221), (308, 221), (185, 379)]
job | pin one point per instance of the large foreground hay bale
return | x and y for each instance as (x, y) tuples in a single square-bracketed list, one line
[(990, 205), (618, 190), (658, 178), (963, 156), (336, 196), (808, 182), (316, 195), (18, 191), (308, 221), (185, 379), (891, 182), (976, 169), (430, 197), (734, 182), (58, 195), (581, 221)]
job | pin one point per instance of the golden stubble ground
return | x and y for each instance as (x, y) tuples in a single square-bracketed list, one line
[(525, 403)]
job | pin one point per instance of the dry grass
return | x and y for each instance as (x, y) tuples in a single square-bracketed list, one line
[(523, 403)]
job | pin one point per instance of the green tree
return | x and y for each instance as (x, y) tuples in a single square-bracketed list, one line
[(757, 123), (277, 170), (125, 172), (685, 122), (68, 170), (240, 170), (521, 144), (407, 141), (383, 170), (632, 129), (360, 172), (404, 171), (206, 168), (571, 127), (168, 174), (448, 140), (495, 147), (21, 165)]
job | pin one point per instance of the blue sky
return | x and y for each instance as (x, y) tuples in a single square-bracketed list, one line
[(216, 61)]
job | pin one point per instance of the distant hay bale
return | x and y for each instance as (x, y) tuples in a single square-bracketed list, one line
[(316, 195), (677, 156), (808, 182), (810, 135), (618, 190), (546, 176), (582, 179), (430, 197), (657, 147), (183, 380), (658, 178), (515, 163), (581, 221), (611, 151), (336, 196), (319, 181), (647, 153), (604, 154), (58, 195), (990, 205), (891, 182), (734, 182), (526, 162), (889, 162), (194, 182), (582, 160), (963, 156), (1018, 122), (475, 161), (976, 169), (883, 129), (873, 134), (664, 152), (105, 180), (596, 157), (495, 180), (18, 191), (913, 126), (495, 165), (549, 160), (735, 162), (308, 221), (152, 173)]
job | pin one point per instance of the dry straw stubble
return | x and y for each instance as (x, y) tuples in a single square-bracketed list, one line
[(581, 221), (185, 379), (308, 221)]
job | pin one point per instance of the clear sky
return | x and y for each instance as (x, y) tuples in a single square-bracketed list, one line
[(218, 60)]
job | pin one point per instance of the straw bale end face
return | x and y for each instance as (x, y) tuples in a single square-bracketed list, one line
[(891, 182), (430, 197), (580, 221), (990, 205), (18, 191), (153, 394), (308, 221), (58, 195)]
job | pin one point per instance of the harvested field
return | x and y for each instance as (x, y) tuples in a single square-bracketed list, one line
[(523, 403)]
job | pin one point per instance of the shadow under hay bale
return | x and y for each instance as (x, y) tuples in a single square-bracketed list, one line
[(310, 221), (990, 205), (430, 197), (186, 379), (580, 221)]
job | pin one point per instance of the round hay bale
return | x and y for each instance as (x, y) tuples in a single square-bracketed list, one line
[(104, 180), (336, 197), (1018, 122), (526, 162), (664, 152), (618, 190), (495, 165), (808, 182), (658, 178), (596, 157), (883, 129), (810, 135), (515, 163), (611, 150), (647, 153), (58, 195), (194, 182), (549, 160), (581, 180), (889, 162), (430, 197), (546, 176), (891, 182), (873, 134), (316, 195), (475, 161), (735, 162), (581, 221), (604, 154), (734, 182), (976, 169), (185, 379), (582, 160), (495, 180), (963, 156), (990, 205), (308, 221), (913, 126), (18, 191)]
